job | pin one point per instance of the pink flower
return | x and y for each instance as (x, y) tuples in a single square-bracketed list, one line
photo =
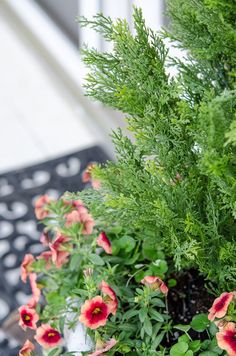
[(28, 317), (102, 347), (44, 239), (104, 242), (220, 306), (35, 291), (155, 283), (96, 184), (77, 203), (26, 349), (110, 297), (47, 257), (94, 313), (87, 176), (41, 209), (26, 266), (82, 216), (226, 339), (72, 218), (88, 224), (48, 337), (58, 249), (87, 173)]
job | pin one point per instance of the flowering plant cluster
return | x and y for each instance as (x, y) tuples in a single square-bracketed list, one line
[(87, 274)]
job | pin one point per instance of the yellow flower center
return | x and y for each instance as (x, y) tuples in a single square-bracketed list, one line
[(96, 311), (26, 317), (51, 334)]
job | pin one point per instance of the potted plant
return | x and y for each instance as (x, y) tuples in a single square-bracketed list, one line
[(144, 263)]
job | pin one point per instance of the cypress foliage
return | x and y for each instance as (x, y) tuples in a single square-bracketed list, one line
[(175, 183)]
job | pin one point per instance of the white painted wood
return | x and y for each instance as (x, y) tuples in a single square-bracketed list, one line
[(116, 9), (89, 8), (152, 11), (65, 63), (37, 116)]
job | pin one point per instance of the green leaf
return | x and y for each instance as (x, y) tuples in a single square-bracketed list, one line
[(213, 329), (150, 249), (182, 327), (172, 282), (132, 260), (80, 292), (155, 315), (130, 314), (96, 259), (158, 340), (200, 322), (189, 353), (75, 262), (158, 302), (142, 314), (213, 346), (157, 268), (179, 349), (195, 345), (127, 243), (184, 338), (155, 330), (205, 344), (115, 229), (54, 298), (208, 353), (127, 327), (148, 326), (55, 352)]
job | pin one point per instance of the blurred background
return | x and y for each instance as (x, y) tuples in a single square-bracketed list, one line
[(42, 109), (49, 130)]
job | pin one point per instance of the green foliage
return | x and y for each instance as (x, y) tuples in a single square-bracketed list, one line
[(186, 346), (174, 182)]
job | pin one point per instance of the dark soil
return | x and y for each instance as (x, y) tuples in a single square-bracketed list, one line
[(188, 298)]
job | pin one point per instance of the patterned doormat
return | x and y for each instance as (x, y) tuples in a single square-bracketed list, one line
[(19, 231)]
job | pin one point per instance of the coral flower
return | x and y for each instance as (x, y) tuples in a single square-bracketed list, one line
[(155, 283), (94, 313), (59, 253), (47, 257), (226, 339), (110, 297), (28, 317), (102, 347), (78, 203), (72, 218), (88, 224), (86, 219), (26, 349), (220, 306), (82, 216), (26, 266), (44, 239), (87, 176), (47, 337), (104, 242), (41, 210), (35, 291)]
